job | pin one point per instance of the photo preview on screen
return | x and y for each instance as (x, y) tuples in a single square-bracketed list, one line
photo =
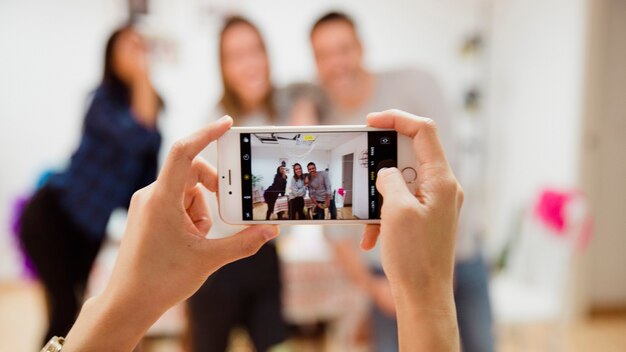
[(314, 175)]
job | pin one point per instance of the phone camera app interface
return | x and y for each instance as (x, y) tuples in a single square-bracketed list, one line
[(314, 175)]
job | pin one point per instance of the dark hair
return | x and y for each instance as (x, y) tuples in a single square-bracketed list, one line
[(278, 169), (110, 80), (333, 16), (229, 101), (116, 86), (309, 164), (295, 176)]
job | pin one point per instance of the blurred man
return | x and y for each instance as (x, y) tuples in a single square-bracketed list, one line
[(320, 190), (353, 92)]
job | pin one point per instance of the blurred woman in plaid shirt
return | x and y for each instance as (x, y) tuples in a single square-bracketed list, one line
[(64, 224)]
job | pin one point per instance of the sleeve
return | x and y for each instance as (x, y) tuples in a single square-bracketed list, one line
[(294, 187), (117, 125)]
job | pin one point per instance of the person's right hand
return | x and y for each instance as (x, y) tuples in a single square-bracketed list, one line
[(418, 231)]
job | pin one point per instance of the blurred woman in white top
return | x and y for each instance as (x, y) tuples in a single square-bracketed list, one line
[(245, 293)]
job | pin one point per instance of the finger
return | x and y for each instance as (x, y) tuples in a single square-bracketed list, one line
[(175, 171), (391, 184), (242, 244), (204, 173), (198, 210), (422, 130), (370, 236)]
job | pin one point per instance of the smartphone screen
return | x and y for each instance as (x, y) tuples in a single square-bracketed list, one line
[(314, 175)]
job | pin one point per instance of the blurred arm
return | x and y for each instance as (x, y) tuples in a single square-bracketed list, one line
[(119, 126), (145, 103)]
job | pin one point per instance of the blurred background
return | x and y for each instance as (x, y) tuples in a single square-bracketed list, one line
[(536, 90)]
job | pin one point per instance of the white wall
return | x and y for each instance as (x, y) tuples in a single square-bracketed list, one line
[(265, 160), (535, 110), (52, 55), (360, 189)]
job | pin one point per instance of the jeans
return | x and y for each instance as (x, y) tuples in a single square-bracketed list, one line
[(318, 213), (473, 309), (471, 296), (62, 254)]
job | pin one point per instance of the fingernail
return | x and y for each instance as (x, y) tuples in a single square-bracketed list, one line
[(224, 118)]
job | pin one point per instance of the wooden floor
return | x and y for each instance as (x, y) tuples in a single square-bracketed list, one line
[(260, 210), (22, 324)]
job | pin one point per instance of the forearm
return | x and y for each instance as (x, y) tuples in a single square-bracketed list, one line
[(426, 319), (144, 102), (104, 325)]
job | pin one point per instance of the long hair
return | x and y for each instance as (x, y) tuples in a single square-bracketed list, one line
[(295, 175), (230, 102), (115, 85), (119, 89)]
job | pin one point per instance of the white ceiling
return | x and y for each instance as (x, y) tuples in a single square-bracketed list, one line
[(323, 141)]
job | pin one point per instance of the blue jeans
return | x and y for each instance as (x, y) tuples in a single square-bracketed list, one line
[(473, 308), (471, 295), (318, 213)]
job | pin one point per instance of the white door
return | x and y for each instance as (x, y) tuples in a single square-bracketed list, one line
[(604, 164)]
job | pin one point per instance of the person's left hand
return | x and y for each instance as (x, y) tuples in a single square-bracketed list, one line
[(164, 256)]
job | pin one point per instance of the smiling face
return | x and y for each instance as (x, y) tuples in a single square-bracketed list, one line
[(297, 169), (245, 66), (312, 170), (338, 54)]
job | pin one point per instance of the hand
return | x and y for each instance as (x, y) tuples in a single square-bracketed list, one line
[(418, 234), (164, 256), (380, 290), (417, 230)]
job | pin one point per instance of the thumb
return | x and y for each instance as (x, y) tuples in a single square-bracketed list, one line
[(391, 183), (242, 244)]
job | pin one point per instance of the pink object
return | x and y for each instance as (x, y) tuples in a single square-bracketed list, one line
[(341, 191), (550, 210)]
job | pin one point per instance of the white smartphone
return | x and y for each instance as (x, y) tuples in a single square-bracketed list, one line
[(308, 175)]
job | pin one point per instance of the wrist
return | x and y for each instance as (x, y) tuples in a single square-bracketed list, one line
[(426, 318), (436, 296), (107, 323)]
